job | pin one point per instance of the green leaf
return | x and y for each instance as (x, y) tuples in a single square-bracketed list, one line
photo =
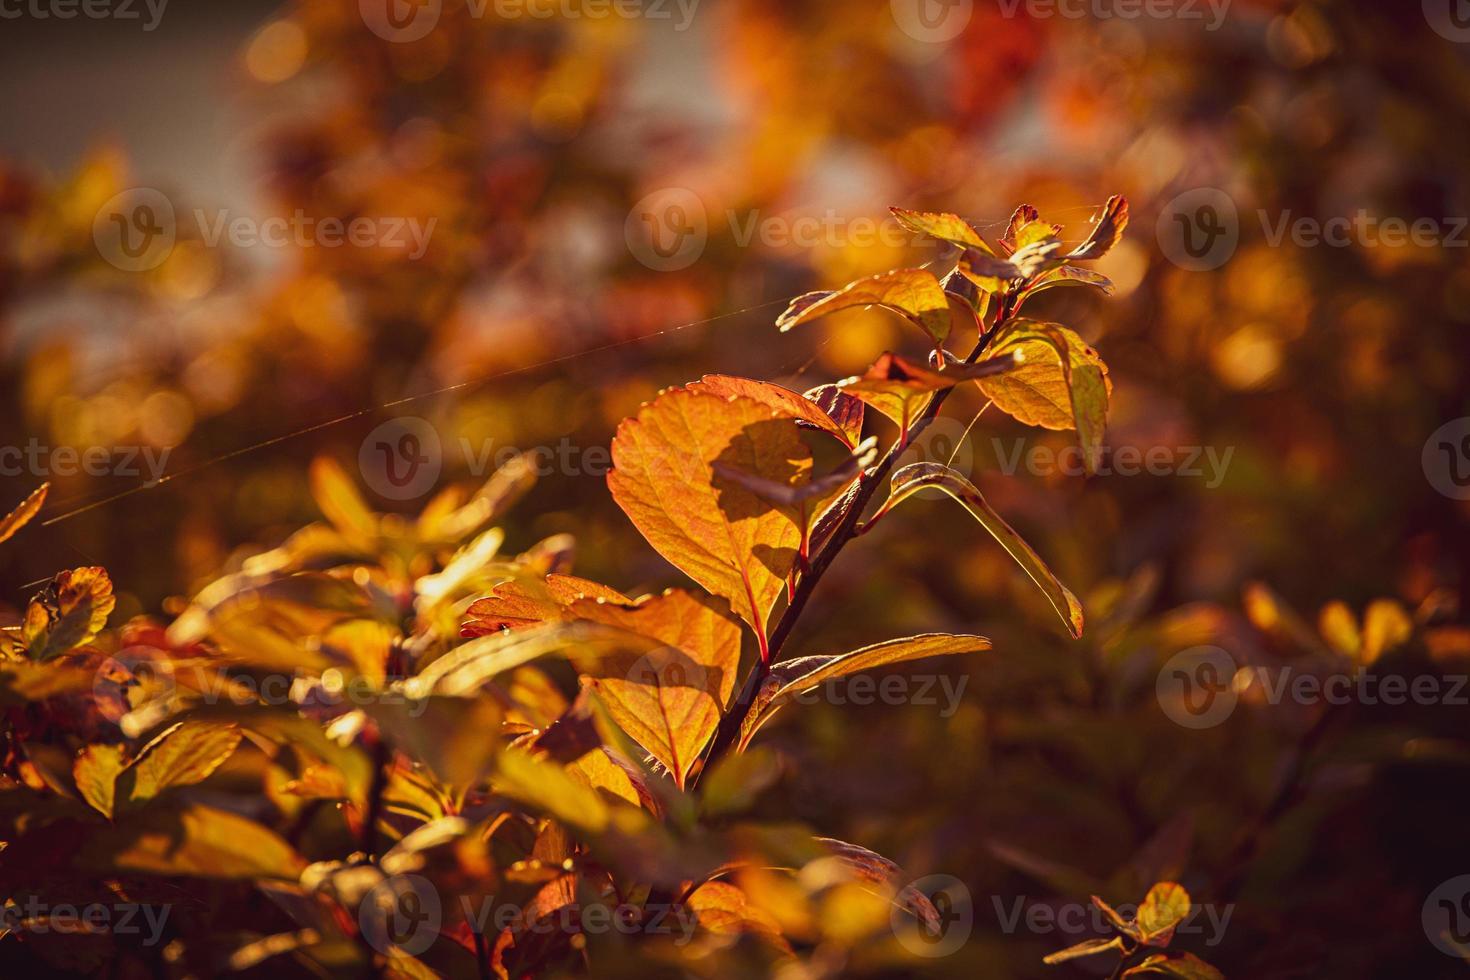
[(918, 476), (913, 293), (792, 677)]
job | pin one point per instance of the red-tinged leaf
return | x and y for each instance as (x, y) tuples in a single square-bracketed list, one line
[(792, 677), (901, 388), (942, 225), (918, 476), (1107, 231), (1088, 947), (1061, 384), (1020, 218), (870, 866), (821, 487), (1069, 275), (724, 910), (68, 613), (783, 401), (23, 514), (723, 536), (842, 408), (521, 602), (668, 699), (1182, 966), (913, 293)]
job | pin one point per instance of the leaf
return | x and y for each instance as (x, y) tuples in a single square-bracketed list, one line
[(456, 737), (95, 772), (498, 494), (1020, 218), (783, 401), (23, 514), (870, 866), (1060, 384), (1068, 275), (1166, 905), (1107, 232), (842, 408), (737, 780), (668, 699), (918, 476), (551, 789), (1088, 947), (823, 486), (340, 501), (901, 388), (720, 534), (68, 613), (521, 603), (193, 841), (941, 225), (1385, 626), (1185, 966), (913, 293), (183, 755), (792, 677), (724, 910), (465, 669)]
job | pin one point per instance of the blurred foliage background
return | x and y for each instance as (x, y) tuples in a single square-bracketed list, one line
[(530, 319)]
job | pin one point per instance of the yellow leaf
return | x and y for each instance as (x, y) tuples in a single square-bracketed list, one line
[(917, 476), (1106, 233), (724, 910), (668, 699), (1340, 629), (339, 500), (95, 772), (1385, 626), (185, 754), (1164, 907), (68, 613), (901, 389), (1061, 383), (913, 293), (722, 535), (941, 225), (524, 602), (23, 514), (783, 401), (194, 841)]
